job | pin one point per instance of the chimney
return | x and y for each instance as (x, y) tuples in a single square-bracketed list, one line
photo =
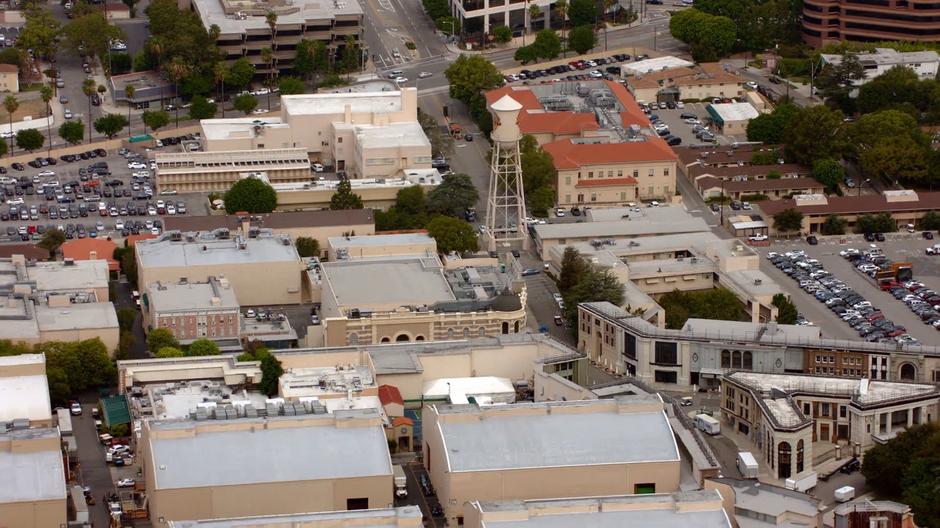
[(215, 301), (92, 255), (246, 224)]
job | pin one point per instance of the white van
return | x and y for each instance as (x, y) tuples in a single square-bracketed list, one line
[(707, 424)]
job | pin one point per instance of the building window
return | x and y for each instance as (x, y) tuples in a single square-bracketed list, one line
[(590, 174), (651, 173), (842, 411), (665, 376), (666, 353), (736, 359), (644, 488), (799, 456), (748, 360), (610, 174), (357, 504), (620, 173), (806, 409), (567, 180), (629, 346), (725, 359), (825, 409), (783, 460), (665, 172), (636, 173)]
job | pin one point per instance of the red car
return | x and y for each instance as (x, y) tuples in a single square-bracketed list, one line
[(888, 285), (31, 229)]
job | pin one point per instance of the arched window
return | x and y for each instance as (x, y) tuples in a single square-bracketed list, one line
[(505, 327), (353, 339), (736, 359), (386, 340), (799, 456), (725, 359), (784, 452), (515, 327), (450, 333), (748, 360), (402, 338), (908, 372), (466, 332), (482, 332), (419, 338)]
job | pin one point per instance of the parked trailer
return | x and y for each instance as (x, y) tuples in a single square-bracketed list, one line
[(401, 484), (707, 424), (803, 484), (65, 422), (845, 494), (747, 465)]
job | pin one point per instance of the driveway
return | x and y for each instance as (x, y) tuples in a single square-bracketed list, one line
[(93, 470)]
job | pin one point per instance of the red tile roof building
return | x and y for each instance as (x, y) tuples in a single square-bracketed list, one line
[(91, 249)]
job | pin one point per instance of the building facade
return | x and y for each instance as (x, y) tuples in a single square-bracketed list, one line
[(219, 170), (194, 310), (523, 451), (826, 21), (922, 63), (402, 517), (701, 81), (9, 78)]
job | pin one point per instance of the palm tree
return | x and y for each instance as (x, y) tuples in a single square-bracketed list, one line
[(11, 105), (157, 49), (46, 94), (534, 12), (561, 7), (129, 91), (270, 18), (220, 73), (88, 88), (177, 69), (267, 56)]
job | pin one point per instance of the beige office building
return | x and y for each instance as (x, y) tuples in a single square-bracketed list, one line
[(544, 450), (413, 297), (263, 269), (219, 170), (245, 466), (376, 193), (402, 517), (223, 368), (689, 509), (364, 134)]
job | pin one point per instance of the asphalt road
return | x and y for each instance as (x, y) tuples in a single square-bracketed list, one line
[(94, 472)]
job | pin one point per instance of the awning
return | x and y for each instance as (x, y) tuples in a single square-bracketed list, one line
[(711, 372)]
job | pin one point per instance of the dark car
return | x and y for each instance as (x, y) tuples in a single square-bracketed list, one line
[(812, 240), (673, 141), (928, 235), (437, 511), (851, 466), (870, 237), (18, 166), (425, 483), (880, 237)]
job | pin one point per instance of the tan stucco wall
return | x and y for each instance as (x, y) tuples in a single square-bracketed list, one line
[(372, 198), (108, 336), (662, 185), (34, 514), (264, 283)]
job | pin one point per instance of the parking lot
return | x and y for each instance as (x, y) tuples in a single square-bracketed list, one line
[(896, 248), (99, 194), (576, 70), (680, 128)]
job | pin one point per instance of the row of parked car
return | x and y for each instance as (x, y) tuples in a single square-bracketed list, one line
[(577, 65), (859, 313), (923, 301)]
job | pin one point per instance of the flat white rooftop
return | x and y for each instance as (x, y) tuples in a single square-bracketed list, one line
[(403, 134), (286, 453), (734, 111), (212, 12), (335, 104), (237, 127), (30, 476), (749, 330), (213, 295), (76, 317), (24, 396), (398, 239), (407, 281), (863, 390), (458, 389), (501, 440), (378, 518), (624, 222), (694, 509), (207, 251), (59, 276), (655, 64)]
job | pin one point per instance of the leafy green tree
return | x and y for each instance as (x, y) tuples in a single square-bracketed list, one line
[(311, 58), (871, 129), (307, 247), (452, 234), (11, 105), (896, 88), (155, 119), (573, 269), (290, 85), (409, 211), (501, 34), (92, 32), (471, 74), (455, 194), (525, 54), (169, 352), (202, 109), (160, 338), (129, 266), (765, 157), (582, 39), (126, 343), (786, 310), (833, 225), (538, 168), (250, 195), (30, 139), (828, 172), (109, 125), (121, 63), (710, 37), (126, 318), (344, 198), (896, 159), (41, 32), (717, 303), (875, 223), (547, 45), (442, 143), (271, 368), (245, 103), (836, 81), (788, 220), (240, 74), (930, 221), (203, 347), (4, 148), (540, 201), (582, 12), (594, 286), (814, 132), (51, 240)]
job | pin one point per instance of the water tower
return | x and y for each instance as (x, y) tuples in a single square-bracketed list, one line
[(505, 206)]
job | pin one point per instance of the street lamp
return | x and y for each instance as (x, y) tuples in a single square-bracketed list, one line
[(861, 183)]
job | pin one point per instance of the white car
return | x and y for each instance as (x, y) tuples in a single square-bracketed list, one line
[(119, 224), (401, 80), (751, 84), (317, 167), (559, 213), (168, 192), (424, 75), (75, 409), (68, 114), (680, 105), (155, 231), (46, 174), (171, 209), (757, 238), (152, 211), (15, 201), (258, 111), (596, 74), (125, 483), (136, 165), (261, 91)]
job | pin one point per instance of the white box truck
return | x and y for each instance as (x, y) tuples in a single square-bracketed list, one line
[(707, 424), (803, 484), (747, 465), (401, 485), (845, 494)]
